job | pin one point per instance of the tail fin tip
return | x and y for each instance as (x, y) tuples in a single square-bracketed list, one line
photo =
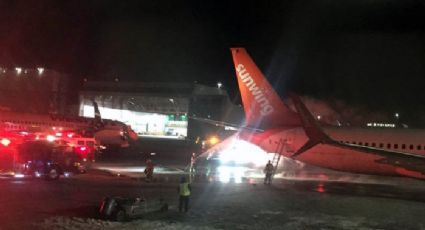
[(263, 106)]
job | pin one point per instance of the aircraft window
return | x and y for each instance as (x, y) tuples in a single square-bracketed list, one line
[(418, 147), (366, 144), (381, 145), (360, 143), (90, 143), (354, 142), (403, 146), (388, 146), (396, 146), (373, 144), (410, 146), (80, 143)]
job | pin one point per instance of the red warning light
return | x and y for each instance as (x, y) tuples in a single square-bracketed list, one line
[(320, 188), (83, 150)]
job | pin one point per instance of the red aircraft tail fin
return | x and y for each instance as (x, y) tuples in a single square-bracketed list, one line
[(263, 107)]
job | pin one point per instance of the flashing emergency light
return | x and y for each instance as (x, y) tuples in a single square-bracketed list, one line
[(50, 138), (83, 150), (4, 141)]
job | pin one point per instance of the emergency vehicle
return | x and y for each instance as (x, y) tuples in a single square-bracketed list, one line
[(45, 155)]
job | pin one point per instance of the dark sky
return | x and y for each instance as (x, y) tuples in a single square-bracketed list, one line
[(368, 53)]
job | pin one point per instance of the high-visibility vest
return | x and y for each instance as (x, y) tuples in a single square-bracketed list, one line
[(184, 189)]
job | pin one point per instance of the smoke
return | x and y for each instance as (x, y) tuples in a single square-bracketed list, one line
[(336, 112)]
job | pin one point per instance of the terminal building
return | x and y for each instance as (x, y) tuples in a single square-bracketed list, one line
[(160, 110), (47, 90)]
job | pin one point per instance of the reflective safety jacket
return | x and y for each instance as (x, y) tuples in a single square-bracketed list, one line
[(184, 189)]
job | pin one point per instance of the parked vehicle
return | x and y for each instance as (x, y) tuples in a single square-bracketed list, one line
[(122, 209)]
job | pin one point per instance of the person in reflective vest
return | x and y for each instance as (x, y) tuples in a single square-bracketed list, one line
[(184, 192)]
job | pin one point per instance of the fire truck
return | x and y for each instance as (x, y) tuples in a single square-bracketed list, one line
[(45, 155)]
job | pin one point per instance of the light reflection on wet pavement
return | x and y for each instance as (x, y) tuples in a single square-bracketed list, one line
[(327, 183)]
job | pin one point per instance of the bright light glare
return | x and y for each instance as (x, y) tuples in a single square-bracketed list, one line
[(50, 138), (40, 70), (18, 175), (227, 173), (18, 70), (5, 142), (213, 140), (243, 152)]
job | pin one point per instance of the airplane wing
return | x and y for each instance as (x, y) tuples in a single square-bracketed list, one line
[(409, 161), (226, 124)]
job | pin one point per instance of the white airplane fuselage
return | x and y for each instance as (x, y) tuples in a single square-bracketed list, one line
[(112, 132), (349, 160)]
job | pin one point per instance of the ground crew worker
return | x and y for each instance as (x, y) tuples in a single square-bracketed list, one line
[(268, 170), (184, 192), (149, 170)]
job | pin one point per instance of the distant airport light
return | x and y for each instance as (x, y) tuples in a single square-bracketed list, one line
[(318, 117), (40, 70), (219, 85), (396, 115), (25, 71), (18, 70), (171, 100), (58, 134)]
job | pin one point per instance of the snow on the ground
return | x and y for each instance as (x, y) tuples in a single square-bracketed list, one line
[(73, 223), (293, 223)]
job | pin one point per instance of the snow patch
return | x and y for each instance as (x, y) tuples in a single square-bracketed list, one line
[(74, 223), (268, 212), (329, 222)]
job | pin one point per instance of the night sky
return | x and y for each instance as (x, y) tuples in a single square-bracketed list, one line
[(366, 53)]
